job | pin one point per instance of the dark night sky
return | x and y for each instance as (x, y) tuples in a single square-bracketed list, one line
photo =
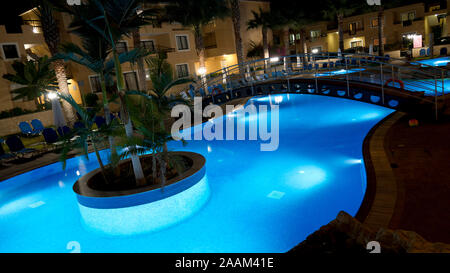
[(10, 9)]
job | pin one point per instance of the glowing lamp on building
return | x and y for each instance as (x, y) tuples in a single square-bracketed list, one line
[(201, 71)]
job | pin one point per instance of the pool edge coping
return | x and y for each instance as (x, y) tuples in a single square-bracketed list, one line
[(380, 198)]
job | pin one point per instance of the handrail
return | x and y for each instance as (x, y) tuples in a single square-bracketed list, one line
[(355, 67)]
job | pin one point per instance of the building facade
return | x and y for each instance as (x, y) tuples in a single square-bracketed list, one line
[(407, 30), (177, 41)]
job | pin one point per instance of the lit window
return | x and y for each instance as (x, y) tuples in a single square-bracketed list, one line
[(315, 33), (356, 44)]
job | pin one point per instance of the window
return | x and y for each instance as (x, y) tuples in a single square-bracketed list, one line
[(407, 18), (292, 39), (182, 42), (356, 44), (315, 33), (352, 28), (374, 22), (95, 84), (121, 47), (148, 45), (182, 70), (316, 50), (10, 51), (131, 81)]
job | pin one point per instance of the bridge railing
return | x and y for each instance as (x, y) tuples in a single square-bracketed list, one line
[(417, 80)]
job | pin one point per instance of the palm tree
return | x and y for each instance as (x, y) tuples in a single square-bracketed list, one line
[(94, 55), (380, 18), (50, 30), (112, 19), (195, 14), (338, 9), (35, 77), (261, 20), (161, 75), (236, 18)]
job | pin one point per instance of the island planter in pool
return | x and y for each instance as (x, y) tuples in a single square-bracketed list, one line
[(147, 208)]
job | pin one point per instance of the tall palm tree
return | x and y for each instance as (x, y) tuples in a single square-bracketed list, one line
[(261, 19), (50, 30), (380, 18), (195, 14), (35, 78), (236, 18), (94, 55), (338, 9), (112, 19)]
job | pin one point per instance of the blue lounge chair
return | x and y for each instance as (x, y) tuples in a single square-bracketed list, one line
[(16, 146), (422, 52), (100, 121), (3, 154), (50, 135), (26, 129), (325, 65), (37, 125), (443, 51), (220, 87), (63, 131), (79, 125), (192, 93), (428, 51)]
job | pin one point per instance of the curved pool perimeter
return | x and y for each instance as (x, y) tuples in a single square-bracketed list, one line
[(259, 201)]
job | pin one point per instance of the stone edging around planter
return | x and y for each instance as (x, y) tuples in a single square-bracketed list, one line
[(91, 198)]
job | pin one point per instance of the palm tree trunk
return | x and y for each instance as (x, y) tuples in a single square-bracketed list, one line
[(100, 162), (107, 111), (200, 46), (140, 61), (60, 73), (265, 42), (286, 47), (136, 163), (286, 40), (340, 18), (236, 18), (380, 32)]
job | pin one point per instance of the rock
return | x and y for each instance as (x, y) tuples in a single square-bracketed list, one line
[(345, 234)]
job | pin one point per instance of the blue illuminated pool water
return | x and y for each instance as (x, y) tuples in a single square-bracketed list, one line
[(259, 201), (442, 61)]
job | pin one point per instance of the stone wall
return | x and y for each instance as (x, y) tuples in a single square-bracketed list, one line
[(10, 126)]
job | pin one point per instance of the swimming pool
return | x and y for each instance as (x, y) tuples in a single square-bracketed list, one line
[(442, 61), (259, 201)]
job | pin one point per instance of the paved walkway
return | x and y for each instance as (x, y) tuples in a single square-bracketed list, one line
[(420, 160)]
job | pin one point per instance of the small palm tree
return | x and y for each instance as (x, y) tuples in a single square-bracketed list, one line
[(89, 134), (195, 14), (161, 103), (35, 77)]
